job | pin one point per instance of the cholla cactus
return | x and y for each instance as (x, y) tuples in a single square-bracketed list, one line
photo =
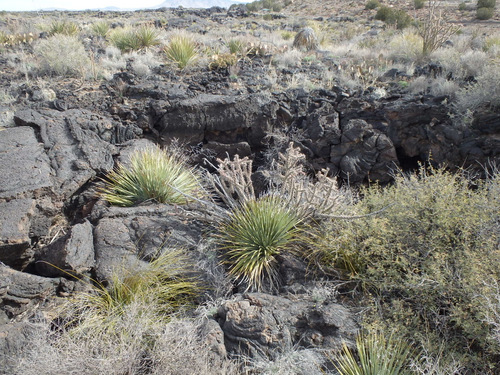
[(306, 39)]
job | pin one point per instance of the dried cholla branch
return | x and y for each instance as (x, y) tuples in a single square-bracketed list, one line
[(313, 199), (234, 180)]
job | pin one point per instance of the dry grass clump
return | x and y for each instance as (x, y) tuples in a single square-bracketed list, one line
[(128, 328), (62, 55), (140, 344), (306, 39)]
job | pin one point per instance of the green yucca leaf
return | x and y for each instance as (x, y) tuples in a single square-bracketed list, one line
[(182, 51), (254, 235), (376, 355), (153, 175)]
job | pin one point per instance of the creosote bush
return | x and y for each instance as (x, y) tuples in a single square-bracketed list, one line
[(372, 4), (485, 13), (425, 261), (393, 16), (153, 175), (486, 3), (254, 235)]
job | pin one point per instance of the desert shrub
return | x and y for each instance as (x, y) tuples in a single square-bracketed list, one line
[(62, 55), (406, 46), (486, 3), (222, 61), (287, 35), (253, 237), (393, 16), (306, 39), (425, 260), (143, 62), (485, 92), (154, 175), (462, 6), (101, 28), (182, 51), (376, 355), (372, 4), (418, 4), (485, 13), (64, 27)]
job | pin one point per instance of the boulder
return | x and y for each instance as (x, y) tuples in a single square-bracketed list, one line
[(15, 241), (221, 118), (13, 340), (24, 166), (262, 325), (124, 237), (70, 254), (75, 141), (364, 153), (22, 292)]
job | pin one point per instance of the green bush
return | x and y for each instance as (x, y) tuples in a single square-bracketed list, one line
[(486, 3), (485, 13), (418, 4), (182, 51), (153, 175), (62, 55), (462, 6), (372, 4), (428, 261), (254, 235), (393, 16), (376, 355)]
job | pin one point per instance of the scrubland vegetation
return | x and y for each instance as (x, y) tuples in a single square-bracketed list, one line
[(419, 258)]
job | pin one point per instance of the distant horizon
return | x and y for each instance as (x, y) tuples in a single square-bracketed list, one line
[(80, 5)]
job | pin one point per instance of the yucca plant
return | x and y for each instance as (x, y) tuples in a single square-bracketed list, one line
[(153, 175), (124, 40), (160, 287), (147, 36), (254, 235), (64, 27), (101, 28), (182, 51), (376, 355)]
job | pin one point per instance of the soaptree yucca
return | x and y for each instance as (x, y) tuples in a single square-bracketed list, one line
[(254, 235), (153, 175)]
